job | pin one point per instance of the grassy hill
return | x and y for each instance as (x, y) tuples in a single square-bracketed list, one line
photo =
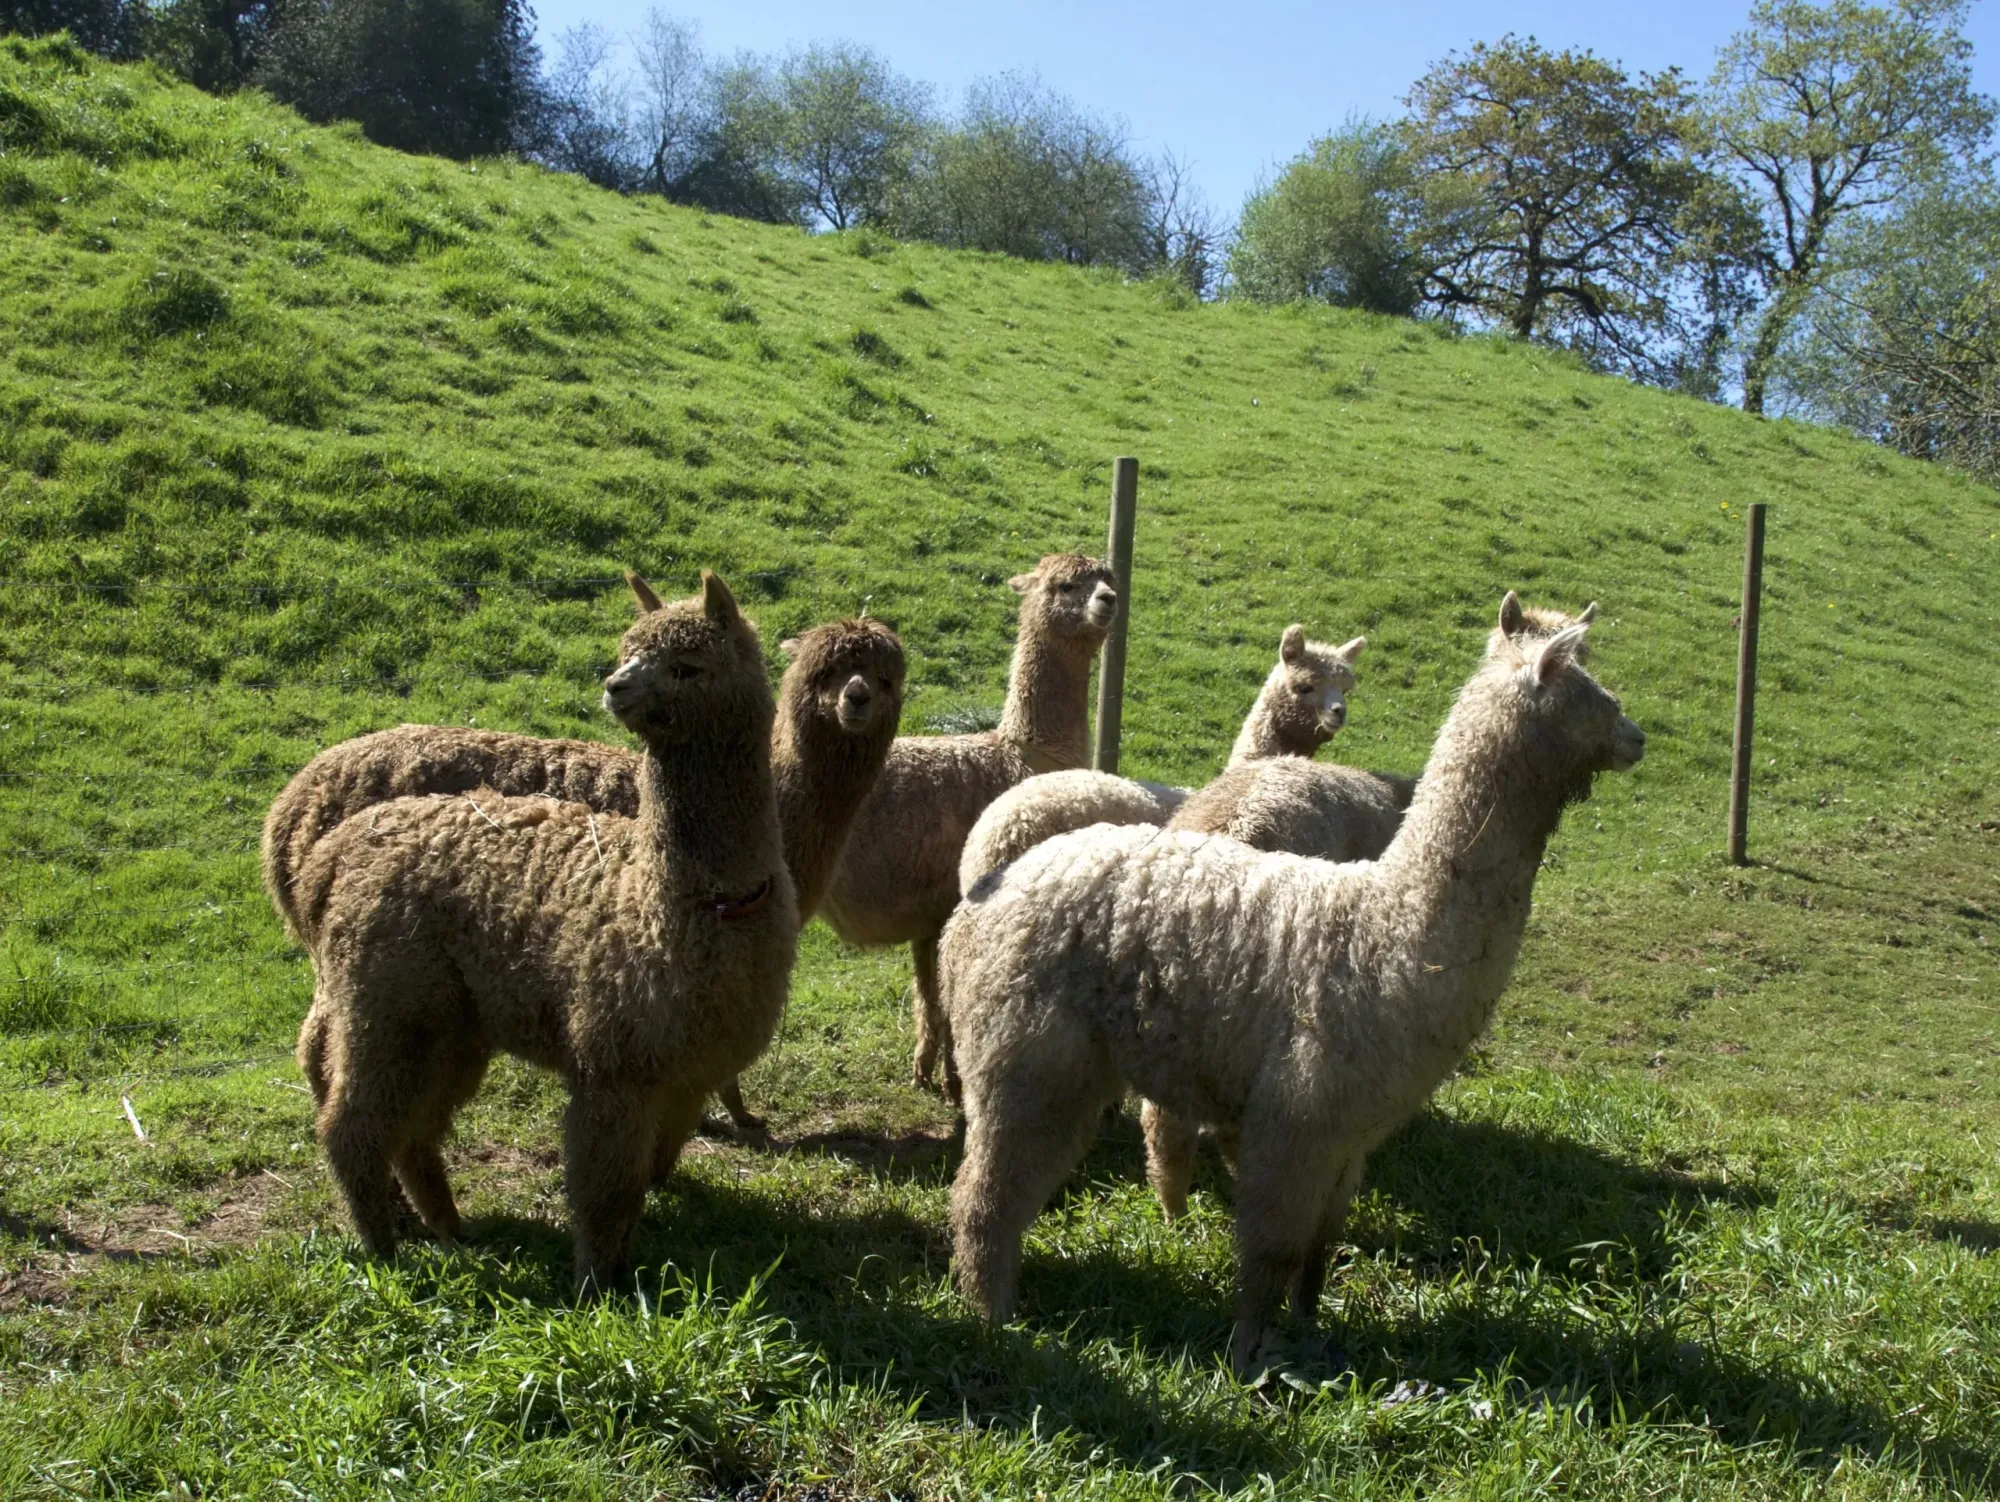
[(299, 438)]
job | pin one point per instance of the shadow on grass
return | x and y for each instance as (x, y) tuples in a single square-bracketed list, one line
[(863, 1287)]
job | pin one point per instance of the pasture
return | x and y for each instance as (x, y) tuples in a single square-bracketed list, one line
[(301, 438)]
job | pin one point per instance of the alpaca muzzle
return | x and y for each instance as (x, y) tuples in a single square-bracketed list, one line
[(855, 701), (1628, 745), (1103, 607)]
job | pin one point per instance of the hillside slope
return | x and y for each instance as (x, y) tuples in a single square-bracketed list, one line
[(300, 437)]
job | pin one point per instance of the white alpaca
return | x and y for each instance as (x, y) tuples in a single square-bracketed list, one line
[(1302, 705), (1309, 1008)]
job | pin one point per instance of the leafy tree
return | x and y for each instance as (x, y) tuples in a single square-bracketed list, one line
[(1024, 171), (1833, 110), (848, 127), (1901, 341), (453, 77), (114, 28), (213, 44), (1556, 190), (1340, 225)]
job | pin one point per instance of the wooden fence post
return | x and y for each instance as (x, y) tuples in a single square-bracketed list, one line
[(1111, 665), (1746, 688)]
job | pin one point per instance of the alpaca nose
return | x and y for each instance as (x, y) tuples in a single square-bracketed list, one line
[(1104, 602)]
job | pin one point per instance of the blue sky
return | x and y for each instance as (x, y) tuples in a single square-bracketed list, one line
[(1238, 86)]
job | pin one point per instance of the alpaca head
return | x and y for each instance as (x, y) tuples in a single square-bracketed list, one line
[(689, 670), (850, 673), (1524, 625), (1069, 596), (1562, 726), (1305, 698)]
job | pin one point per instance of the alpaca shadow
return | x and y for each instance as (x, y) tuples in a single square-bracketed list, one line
[(915, 1157)]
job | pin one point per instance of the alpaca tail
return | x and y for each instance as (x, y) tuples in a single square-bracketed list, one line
[(300, 817), (312, 1052)]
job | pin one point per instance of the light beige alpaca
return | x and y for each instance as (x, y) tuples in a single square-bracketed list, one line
[(838, 707), (1329, 812), (1302, 705), (897, 881), (643, 959), (1308, 1007)]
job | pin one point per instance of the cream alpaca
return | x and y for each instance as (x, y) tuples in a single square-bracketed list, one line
[(1306, 1006), (645, 960), (838, 707), (897, 881), (1302, 705)]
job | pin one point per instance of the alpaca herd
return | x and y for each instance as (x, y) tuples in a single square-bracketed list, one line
[(1291, 958)]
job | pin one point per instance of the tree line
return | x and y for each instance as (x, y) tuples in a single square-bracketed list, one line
[(1811, 229)]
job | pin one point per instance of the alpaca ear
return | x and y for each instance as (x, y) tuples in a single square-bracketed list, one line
[(643, 593), (1589, 614), (1558, 654), (1511, 616), (1351, 650), (1022, 583), (789, 646), (717, 603), (1292, 645)]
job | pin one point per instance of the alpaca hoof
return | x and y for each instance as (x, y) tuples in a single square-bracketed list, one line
[(1254, 1355), (748, 1121)]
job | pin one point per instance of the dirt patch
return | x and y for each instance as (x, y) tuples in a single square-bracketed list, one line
[(86, 1240)]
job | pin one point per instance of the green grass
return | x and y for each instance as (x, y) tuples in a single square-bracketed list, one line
[(303, 438)]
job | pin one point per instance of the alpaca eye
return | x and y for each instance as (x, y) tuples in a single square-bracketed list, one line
[(1303, 689), (1067, 588), (884, 681), (682, 672)]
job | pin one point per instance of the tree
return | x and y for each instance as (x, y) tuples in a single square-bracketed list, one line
[(114, 28), (1829, 111), (1340, 225), (670, 117), (1901, 340), (456, 78), (213, 44), (1184, 238), (1025, 172), (583, 125), (1556, 188), (849, 126)]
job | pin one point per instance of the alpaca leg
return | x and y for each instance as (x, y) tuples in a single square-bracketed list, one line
[(1280, 1203), (610, 1134), (373, 1082), (731, 1096), (1170, 1148), (1025, 1133), (419, 1164), (677, 1122), (1311, 1280), (927, 1012)]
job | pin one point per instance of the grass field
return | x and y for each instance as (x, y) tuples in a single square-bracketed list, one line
[(300, 438)]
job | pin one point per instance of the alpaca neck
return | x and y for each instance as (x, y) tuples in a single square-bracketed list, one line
[(709, 814), (1048, 701), (1262, 737), (823, 775), (1452, 891)]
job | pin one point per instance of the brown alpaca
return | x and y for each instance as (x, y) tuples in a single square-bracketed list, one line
[(1308, 1007), (897, 881), (644, 959), (838, 708)]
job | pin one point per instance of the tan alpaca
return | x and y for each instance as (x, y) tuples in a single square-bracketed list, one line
[(1308, 1007), (1302, 704), (897, 881), (838, 708), (644, 959)]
